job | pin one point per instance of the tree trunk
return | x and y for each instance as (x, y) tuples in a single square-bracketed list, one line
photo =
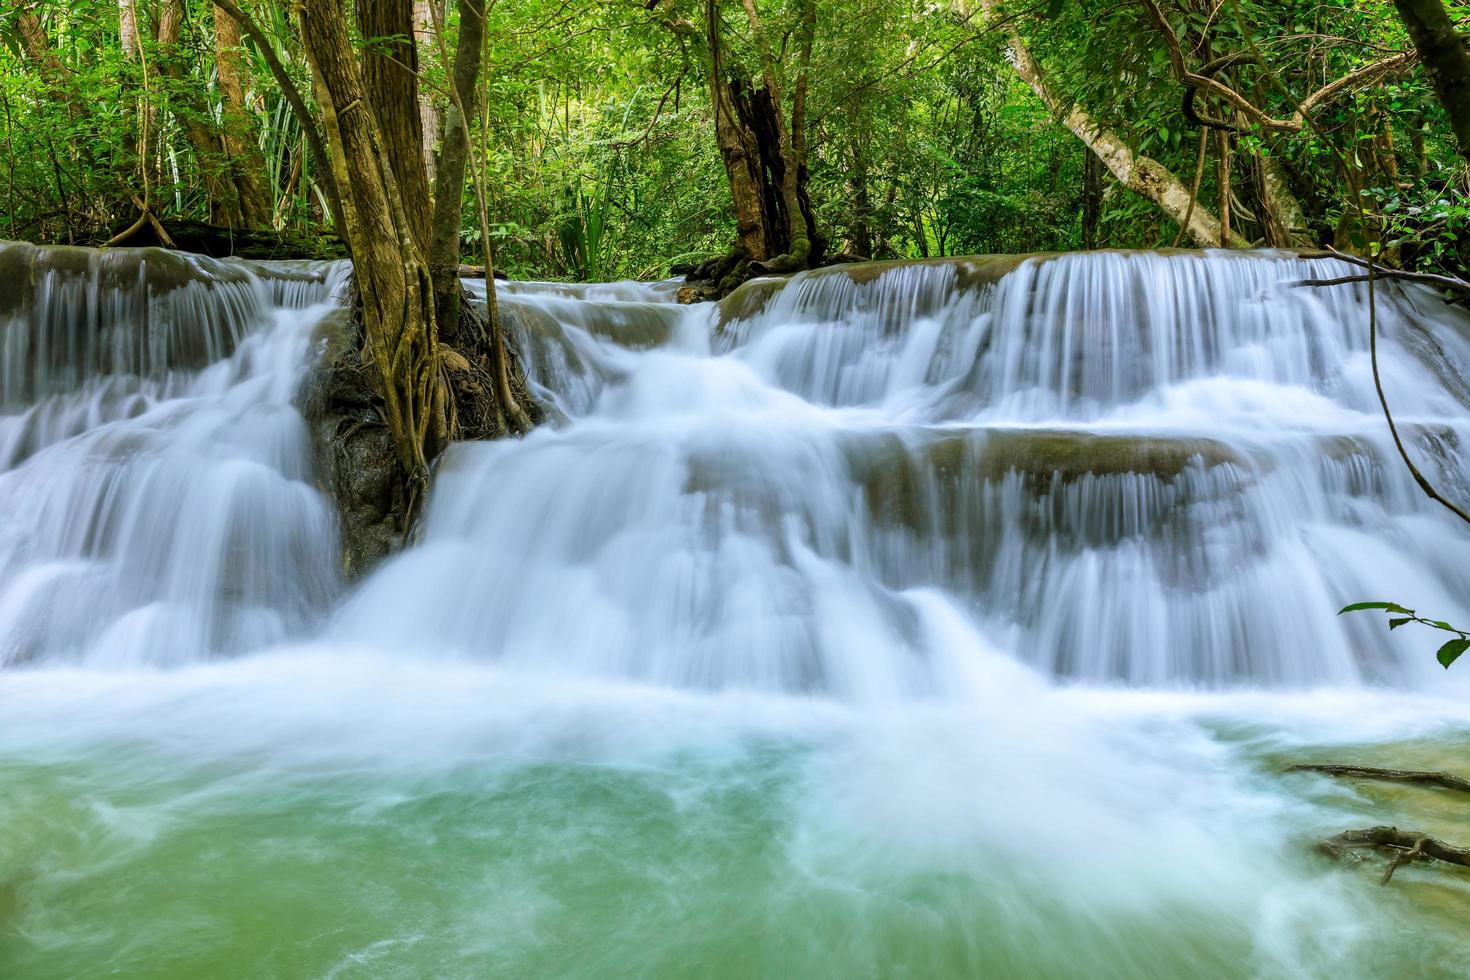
[(1223, 186), (860, 232), (448, 212), (1092, 192), (1442, 50), (789, 142), (738, 148), (389, 66), (394, 288), (237, 128), (127, 28), (1143, 175), (1283, 211), (424, 19)]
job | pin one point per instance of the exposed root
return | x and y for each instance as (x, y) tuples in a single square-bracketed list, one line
[(1400, 845), (1444, 780)]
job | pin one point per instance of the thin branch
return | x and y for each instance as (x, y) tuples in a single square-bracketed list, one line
[(1366, 75)]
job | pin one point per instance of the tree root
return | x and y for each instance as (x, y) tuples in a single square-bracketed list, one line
[(1400, 845), (1444, 780)]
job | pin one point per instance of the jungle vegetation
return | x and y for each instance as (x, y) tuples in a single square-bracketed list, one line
[(617, 137)]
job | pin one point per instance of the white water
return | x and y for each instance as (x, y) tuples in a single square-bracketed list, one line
[(911, 596)]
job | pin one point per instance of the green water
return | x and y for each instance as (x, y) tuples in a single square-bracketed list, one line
[(244, 837)]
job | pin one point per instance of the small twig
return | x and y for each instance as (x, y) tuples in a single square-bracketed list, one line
[(1400, 856)]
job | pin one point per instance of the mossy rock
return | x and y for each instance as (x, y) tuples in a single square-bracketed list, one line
[(160, 270)]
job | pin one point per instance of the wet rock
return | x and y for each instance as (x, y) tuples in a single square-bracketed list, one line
[(356, 465)]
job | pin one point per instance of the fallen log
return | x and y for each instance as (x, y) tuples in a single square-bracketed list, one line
[(1444, 780)]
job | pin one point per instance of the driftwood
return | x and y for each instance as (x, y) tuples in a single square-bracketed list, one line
[(1400, 845), (1442, 779)]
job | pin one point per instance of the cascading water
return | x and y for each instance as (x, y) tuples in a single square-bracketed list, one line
[(155, 481), (948, 619)]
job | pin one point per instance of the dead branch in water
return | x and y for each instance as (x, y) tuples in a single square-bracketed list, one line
[(1444, 780), (1400, 845)]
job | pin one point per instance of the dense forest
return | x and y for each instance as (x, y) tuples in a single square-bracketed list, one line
[(618, 138)]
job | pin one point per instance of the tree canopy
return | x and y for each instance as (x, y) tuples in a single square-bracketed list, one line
[(910, 128)]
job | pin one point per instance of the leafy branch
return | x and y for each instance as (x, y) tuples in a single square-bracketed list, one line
[(1399, 616)]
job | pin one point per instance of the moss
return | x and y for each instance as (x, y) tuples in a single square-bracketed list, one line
[(898, 478)]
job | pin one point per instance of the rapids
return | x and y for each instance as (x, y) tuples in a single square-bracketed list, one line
[(943, 619)]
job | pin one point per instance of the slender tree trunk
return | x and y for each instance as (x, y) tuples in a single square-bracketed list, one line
[(1223, 180), (861, 231), (424, 19), (448, 211), (127, 28), (1092, 192), (1442, 50), (237, 127)]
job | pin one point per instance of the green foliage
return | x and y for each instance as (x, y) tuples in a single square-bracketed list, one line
[(1400, 616), (597, 132)]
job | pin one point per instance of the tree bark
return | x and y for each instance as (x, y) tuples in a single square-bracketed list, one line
[(790, 141), (192, 115), (424, 19), (389, 75), (738, 150), (1222, 180), (394, 287), (1442, 50)]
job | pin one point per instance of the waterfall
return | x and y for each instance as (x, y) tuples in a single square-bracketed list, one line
[(155, 480), (949, 618), (1130, 468)]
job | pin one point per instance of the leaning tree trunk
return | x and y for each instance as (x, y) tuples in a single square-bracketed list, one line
[(193, 116), (1143, 175), (448, 209)]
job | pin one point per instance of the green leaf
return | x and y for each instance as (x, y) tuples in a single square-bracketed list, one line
[(1359, 606), (1396, 608), (1451, 651), (1394, 624)]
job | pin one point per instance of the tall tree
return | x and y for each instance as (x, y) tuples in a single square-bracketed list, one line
[(764, 150)]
